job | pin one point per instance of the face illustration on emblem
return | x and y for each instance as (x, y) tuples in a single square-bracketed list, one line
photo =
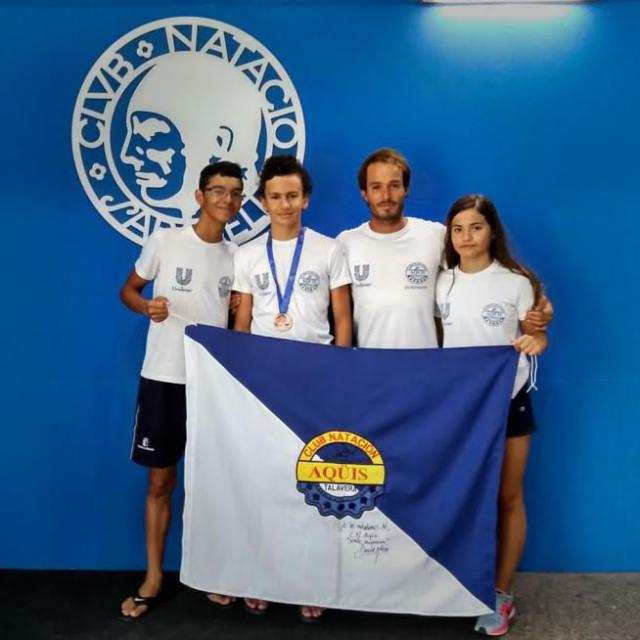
[(155, 150), (180, 118), (166, 99)]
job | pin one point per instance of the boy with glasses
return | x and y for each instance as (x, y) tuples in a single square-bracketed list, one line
[(192, 272)]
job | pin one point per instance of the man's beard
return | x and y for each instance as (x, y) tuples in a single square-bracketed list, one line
[(391, 215)]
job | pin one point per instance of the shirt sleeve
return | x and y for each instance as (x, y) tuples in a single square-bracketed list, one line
[(241, 275), (338, 267), (525, 297), (340, 239), (442, 232), (147, 265)]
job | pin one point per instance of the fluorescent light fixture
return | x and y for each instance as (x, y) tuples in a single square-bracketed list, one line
[(503, 1)]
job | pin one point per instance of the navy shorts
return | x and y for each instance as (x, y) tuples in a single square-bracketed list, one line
[(160, 428), (521, 421)]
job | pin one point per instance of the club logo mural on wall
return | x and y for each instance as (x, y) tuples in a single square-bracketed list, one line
[(162, 102)]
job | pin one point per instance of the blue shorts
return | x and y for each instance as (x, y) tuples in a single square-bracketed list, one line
[(521, 421), (160, 428)]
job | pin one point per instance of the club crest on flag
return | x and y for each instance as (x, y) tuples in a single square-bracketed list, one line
[(341, 474)]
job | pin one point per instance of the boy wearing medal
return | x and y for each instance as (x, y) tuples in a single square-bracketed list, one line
[(289, 278)]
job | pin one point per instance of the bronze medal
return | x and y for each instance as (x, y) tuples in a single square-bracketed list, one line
[(283, 322)]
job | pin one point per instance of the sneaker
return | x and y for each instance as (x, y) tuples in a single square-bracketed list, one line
[(497, 623)]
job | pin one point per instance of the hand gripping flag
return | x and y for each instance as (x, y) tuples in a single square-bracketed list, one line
[(347, 478)]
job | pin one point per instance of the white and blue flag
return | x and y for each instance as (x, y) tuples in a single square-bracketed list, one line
[(359, 479)]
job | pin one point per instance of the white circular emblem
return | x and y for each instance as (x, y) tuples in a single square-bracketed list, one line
[(494, 314), (165, 100), (309, 281), (417, 273)]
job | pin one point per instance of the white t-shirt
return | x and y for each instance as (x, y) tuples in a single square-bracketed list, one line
[(484, 309), (393, 283), (322, 267), (196, 277)]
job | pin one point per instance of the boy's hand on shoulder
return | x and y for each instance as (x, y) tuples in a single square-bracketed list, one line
[(540, 317), (234, 302), (158, 309)]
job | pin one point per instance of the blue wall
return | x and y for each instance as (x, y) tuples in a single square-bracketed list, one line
[(536, 107)]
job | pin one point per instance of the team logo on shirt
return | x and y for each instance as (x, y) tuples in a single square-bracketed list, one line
[(494, 315), (183, 276), (417, 274), (360, 272), (224, 286), (262, 280), (308, 281), (341, 474), (166, 99)]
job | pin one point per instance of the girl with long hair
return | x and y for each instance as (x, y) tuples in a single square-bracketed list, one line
[(482, 299)]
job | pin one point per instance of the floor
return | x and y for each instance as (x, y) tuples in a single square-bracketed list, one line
[(43, 605)]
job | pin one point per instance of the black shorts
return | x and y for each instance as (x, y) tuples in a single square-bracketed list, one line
[(160, 428), (521, 421)]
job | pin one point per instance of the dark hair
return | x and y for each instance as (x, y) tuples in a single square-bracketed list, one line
[(385, 155), (284, 165), (498, 249), (222, 168)]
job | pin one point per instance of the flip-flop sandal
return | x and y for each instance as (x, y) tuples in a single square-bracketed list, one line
[(255, 611), (309, 619), (219, 605), (149, 601)]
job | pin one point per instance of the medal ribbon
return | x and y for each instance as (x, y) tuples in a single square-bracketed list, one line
[(284, 300)]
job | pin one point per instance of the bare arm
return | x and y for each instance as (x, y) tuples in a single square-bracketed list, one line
[(341, 308), (234, 301), (439, 331), (242, 321), (539, 316), (131, 295)]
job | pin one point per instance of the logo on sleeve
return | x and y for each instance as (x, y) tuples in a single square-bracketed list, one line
[(262, 281), (360, 274), (494, 315), (341, 474), (308, 281), (416, 274)]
